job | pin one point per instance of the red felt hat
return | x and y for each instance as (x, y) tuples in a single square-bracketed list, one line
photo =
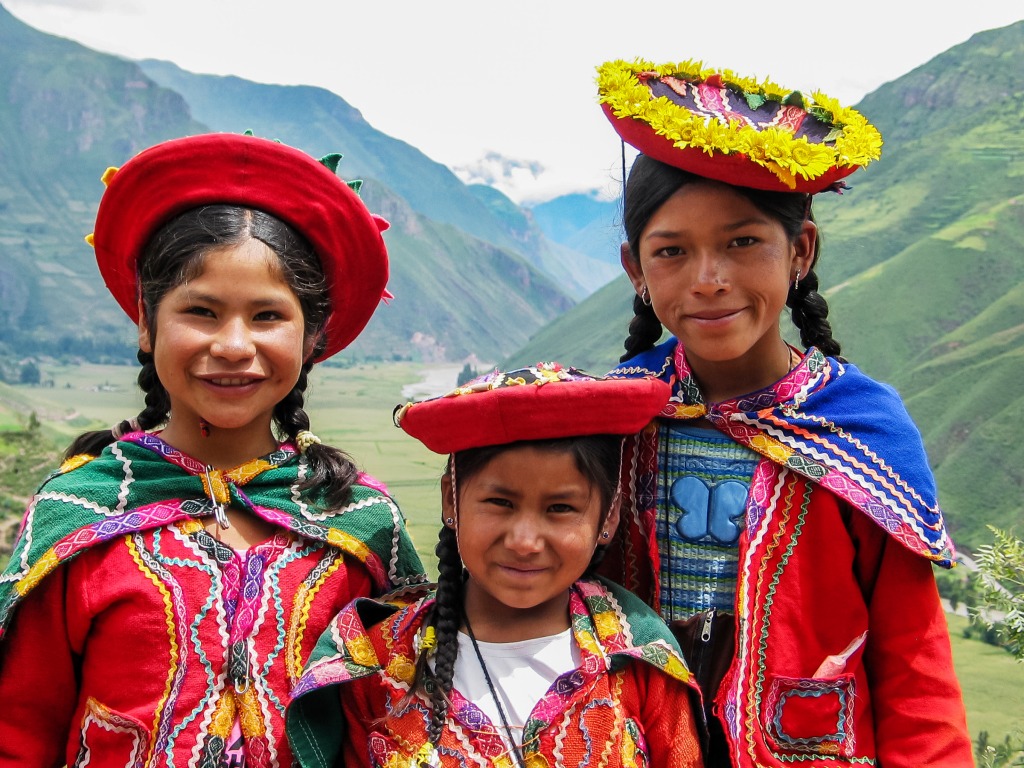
[(542, 402), (736, 130), (175, 176)]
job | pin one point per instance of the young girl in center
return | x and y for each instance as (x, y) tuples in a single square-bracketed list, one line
[(520, 657), (171, 579)]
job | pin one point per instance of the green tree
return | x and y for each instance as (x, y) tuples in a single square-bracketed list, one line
[(30, 374), (1000, 591), (466, 374)]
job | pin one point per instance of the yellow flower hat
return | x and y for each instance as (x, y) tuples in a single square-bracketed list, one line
[(737, 130)]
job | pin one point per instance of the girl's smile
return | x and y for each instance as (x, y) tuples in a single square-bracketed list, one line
[(228, 346), (718, 271), (527, 523)]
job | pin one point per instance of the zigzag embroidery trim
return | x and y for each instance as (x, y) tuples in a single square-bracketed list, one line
[(129, 478), (888, 493)]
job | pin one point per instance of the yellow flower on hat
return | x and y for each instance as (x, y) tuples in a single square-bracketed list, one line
[(809, 160), (849, 141)]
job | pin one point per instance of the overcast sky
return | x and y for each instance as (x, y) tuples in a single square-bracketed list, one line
[(463, 80)]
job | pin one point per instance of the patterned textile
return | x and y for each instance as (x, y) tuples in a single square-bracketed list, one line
[(141, 482), (830, 423), (625, 705), (702, 495), (152, 637), (842, 648)]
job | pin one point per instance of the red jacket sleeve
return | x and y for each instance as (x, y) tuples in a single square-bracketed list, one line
[(38, 679), (916, 700), (667, 719)]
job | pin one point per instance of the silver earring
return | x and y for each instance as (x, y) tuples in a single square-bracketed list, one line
[(604, 534), (796, 281), (645, 297), (449, 521)]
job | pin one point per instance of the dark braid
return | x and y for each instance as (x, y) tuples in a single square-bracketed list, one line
[(330, 469), (158, 404), (644, 330), (810, 315), (446, 619)]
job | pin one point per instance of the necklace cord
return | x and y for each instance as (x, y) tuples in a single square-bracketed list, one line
[(494, 692)]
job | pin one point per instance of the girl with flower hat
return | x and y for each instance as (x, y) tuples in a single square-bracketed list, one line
[(780, 512), (519, 657), (167, 586)]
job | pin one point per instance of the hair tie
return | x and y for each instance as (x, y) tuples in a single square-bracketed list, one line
[(429, 641), (304, 438), (118, 433), (426, 757)]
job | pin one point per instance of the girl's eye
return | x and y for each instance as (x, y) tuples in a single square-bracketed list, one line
[(267, 316), (562, 508), (199, 311), (498, 502), (669, 251), (744, 241)]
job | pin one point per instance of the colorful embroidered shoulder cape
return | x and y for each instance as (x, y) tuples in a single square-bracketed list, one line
[(140, 483), (611, 625), (830, 423)]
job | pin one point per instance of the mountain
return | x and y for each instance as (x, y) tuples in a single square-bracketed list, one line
[(923, 261), (67, 113), (318, 121), (463, 261), (584, 223)]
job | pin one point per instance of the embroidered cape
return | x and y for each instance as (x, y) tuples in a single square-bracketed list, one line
[(830, 423), (140, 483), (587, 713)]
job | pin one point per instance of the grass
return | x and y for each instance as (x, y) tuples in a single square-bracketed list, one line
[(351, 408), (992, 683)]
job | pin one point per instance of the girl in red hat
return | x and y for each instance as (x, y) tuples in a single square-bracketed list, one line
[(172, 577), (780, 512), (520, 657)]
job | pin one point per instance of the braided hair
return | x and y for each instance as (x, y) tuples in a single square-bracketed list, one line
[(652, 182), (597, 458), (176, 254)]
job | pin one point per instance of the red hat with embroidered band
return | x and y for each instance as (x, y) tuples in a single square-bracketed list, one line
[(177, 175), (737, 130), (543, 402)]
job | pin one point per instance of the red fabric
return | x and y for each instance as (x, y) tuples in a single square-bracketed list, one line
[(94, 650), (814, 575), (636, 717), (175, 176), (736, 169), (529, 411)]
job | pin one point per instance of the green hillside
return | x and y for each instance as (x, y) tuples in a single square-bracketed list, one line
[(318, 121), (923, 266), (70, 112)]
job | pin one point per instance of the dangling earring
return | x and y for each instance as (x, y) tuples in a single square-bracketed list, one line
[(645, 297), (796, 281), (204, 427)]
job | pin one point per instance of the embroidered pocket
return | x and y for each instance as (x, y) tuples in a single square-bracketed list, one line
[(116, 738), (811, 715)]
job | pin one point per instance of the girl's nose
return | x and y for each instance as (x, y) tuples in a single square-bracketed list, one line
[(709, 273), (234, 341), (524, 536)]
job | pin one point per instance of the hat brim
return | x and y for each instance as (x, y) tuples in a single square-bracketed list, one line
[(736, 169), (511, 414), (175, 176)]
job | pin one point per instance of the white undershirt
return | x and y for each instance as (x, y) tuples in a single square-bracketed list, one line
[(522, 672)]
